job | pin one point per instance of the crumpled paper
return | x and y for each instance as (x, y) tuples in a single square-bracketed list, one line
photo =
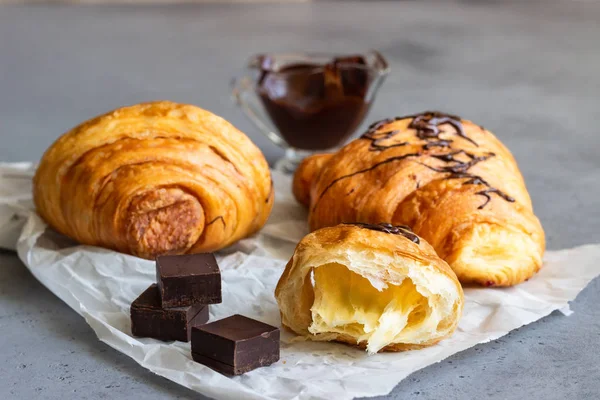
[(100, 285)]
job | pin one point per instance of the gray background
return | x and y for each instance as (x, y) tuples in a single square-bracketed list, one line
[(529, 72)]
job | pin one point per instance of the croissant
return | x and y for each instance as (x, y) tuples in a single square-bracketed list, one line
[(152, 179), (380, 287), (452, 181)]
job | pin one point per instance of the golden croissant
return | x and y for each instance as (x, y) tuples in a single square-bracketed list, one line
[(380, 287), (154, 178), (453, 182)]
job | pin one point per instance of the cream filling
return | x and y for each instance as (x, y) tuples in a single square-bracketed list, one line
[(373, 311)]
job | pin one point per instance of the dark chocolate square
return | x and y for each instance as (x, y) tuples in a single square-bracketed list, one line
[(149, 319), (235, 345), (188, 279)]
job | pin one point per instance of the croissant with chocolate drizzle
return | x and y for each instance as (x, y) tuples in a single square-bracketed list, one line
[(452, 181), (154, 178)]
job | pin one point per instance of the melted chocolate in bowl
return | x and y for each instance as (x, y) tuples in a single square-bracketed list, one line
[(316, 106)]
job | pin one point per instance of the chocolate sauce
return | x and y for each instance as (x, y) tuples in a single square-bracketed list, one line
[(456, 166), (362, 171), (437, 143), (403, 230), (376, 141), (426, 126), (477, 180), (459, 170), (220, 217), (316, 107)]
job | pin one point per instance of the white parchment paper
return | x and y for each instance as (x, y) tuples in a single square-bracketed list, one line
[(100, 285)]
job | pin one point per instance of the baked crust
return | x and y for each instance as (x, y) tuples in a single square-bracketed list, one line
[(453, 182), (154, 178), (380, 256)]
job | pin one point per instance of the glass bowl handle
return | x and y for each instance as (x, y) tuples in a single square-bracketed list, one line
[(245, 96)]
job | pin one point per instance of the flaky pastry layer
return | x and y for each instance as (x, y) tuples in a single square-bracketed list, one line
[(373, 289), (453, 182), (154, 178)]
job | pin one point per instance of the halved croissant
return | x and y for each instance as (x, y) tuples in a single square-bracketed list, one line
[(380, 287), (450, 180), (154, 178)]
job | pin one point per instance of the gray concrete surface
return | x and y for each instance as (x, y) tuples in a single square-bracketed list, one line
[(529, 71)]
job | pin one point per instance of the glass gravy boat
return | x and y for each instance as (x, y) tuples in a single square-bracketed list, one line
[(308, 102)]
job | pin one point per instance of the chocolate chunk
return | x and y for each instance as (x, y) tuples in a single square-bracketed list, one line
[(235, 345), (355, 80), (149, 319), (188, 279)]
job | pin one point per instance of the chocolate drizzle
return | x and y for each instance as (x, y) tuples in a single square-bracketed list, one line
[(458, 169), (362, 171), (220, 217), (403, 230), (375, 141), (477, 180), (371, 133), (437, 143), (426, 126), (455, 166)]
